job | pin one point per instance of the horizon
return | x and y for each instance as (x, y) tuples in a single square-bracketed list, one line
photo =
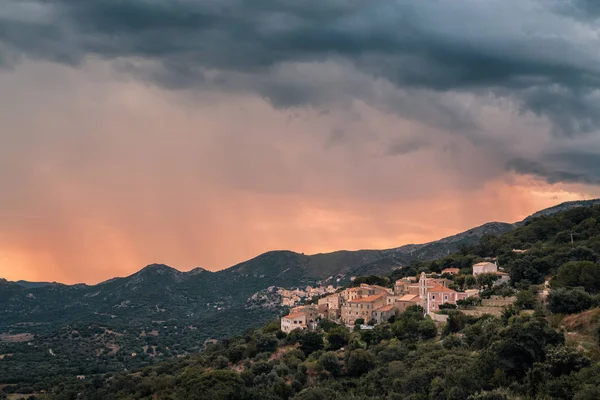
[(204, 133), (188, 269)]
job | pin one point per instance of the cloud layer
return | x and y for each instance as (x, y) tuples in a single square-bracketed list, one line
[(158, 128)]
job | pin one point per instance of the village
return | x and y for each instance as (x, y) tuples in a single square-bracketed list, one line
[(369, 305)]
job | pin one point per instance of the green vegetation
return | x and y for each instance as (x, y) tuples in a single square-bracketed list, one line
[(164, 316), (474, 358)]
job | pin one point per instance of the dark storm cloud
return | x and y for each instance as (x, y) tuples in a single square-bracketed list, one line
[(582, 166), (508, 46), (543, 55)]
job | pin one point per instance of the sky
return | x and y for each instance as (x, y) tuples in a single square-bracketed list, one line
[(205, 132)]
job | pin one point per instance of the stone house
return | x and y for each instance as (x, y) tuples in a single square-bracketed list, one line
[(330, 306), (383, 314), (362, 307), (302, 317), (293, 321)]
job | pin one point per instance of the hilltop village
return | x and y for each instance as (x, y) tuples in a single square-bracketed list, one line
[(369, 305)]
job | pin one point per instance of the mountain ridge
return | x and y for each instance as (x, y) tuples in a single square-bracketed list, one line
[(428, 250)]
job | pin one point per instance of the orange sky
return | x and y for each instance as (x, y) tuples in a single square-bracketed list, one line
[(102, 175)]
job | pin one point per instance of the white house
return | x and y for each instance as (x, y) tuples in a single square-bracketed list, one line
[(485, 268)]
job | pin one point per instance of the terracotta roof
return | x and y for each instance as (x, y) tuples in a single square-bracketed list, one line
[(450, 269), (296, 315), (386, 308), (440, 288), (501, 273), (381, 287), (368, 299), (409, 297)]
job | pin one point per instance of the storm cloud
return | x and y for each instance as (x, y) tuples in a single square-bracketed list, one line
[(207, 131), (544, 55)]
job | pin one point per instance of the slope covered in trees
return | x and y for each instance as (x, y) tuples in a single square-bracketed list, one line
[(513, 357)]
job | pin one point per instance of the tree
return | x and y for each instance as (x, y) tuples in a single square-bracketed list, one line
[(486, 281), (562, 360), (526, 299), (371, 280), (337, 338), (585, 274), (330, 363), (468, 302), (568, 301), (470, 281), (311, 342), (221, 362), (265, 343), (316, 393), (427, 329), (212, 385), (359, 362)]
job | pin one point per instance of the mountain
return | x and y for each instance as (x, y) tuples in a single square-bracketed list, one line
[(31, 285), (170, 313), (159, 290), (568, 205)]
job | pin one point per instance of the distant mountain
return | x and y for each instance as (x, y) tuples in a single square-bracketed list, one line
[(31, 285), (563, 207), (161, 292)]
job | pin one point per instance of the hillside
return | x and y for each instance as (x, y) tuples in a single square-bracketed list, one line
[(517, 356), (182, 309), (541, 347)]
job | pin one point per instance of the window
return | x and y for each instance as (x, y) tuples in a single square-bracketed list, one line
[(445, 297), (433, 297)]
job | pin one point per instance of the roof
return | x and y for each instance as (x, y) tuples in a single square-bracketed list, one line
[(354, 289), (386, 308), (481, 264), (409, 297), (450, 269), (368, 299), (295, 315), (380, 287), (441, 289)]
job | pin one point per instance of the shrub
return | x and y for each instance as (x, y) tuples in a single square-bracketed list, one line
[(568, 301)]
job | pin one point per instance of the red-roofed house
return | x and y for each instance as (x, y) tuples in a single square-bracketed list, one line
[(383, 314), (293, 321), (301, 317)]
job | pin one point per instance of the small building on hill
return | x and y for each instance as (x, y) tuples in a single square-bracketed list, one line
[(293, 321), (302, 317), (484, 268)]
